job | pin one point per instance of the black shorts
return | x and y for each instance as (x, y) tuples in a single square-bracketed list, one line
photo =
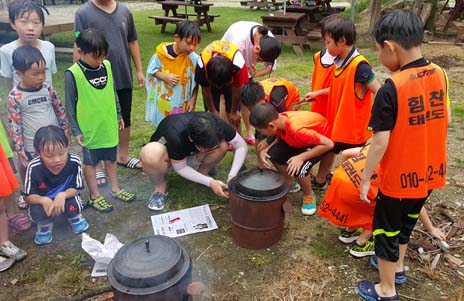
[(280, 153), (125, 101), (216, 94), (340, 146), (93, 156), (394, 220)]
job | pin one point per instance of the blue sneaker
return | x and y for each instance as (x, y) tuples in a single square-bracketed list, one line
[(78, 224), (44, 235), (400, 277), (309, 205)]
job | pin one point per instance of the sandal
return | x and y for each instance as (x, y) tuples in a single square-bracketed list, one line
[(101, 205), (124, 196), (19, 222), (366, 289), (102, 179), (21, 202), (131, 164)]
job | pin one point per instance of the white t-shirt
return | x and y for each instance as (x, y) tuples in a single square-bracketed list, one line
[(240, 34), (6, 61)]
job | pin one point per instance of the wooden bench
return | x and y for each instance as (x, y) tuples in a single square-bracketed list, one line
[(165, 20), (287, 29)]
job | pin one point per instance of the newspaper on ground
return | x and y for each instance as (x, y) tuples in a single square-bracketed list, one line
[(183, 222), (101, 253)]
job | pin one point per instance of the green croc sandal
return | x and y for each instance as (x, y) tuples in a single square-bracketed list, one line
[(124, 196), (101, 205)]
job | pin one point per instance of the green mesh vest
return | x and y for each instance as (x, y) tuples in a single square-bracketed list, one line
[(96, 110), (4, 142)]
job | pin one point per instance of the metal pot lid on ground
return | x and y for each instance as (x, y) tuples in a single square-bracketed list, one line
[(148, 265), (259, 185)]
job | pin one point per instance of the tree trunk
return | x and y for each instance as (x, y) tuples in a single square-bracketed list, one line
[(430, 24), (374, 13)]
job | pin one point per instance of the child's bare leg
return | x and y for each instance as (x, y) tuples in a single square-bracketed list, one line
[(89, 173), (10, 205), (156, 164), (386, 287), (325, 165), (400, 262), (305, 184), (363, 237), (3, 222), (112, 172), (246, 119), (100, 168)]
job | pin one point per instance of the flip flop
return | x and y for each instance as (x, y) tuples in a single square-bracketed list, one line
[(131, 164), (21, 202), (100, 175), (19, 222)]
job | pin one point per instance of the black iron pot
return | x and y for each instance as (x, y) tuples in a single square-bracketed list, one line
[(151, 268)]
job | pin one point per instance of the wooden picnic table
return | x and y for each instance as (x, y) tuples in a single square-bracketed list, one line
[(172, 15), (53, 24), (287, 29), (261, 4)]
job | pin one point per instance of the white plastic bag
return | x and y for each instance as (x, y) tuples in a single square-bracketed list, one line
[(101, 253)]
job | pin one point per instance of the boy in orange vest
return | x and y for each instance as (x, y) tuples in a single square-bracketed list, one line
[(349, 95), (300, 143), (409, 119)]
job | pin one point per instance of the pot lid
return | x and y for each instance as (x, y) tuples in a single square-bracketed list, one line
[(148, 265), (259, 184)]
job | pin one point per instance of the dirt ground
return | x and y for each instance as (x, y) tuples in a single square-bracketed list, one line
[(308, 263)]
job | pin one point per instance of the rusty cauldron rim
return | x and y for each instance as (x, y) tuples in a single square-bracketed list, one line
[(156, 273), (254, 185)]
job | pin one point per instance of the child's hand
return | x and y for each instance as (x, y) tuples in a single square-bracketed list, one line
[(121, 124), (59, 201), (47, 205), (234, 119), (293, 165), (310, 96), (264, 157), (364, 190), (262, 145), (172, 79), (435, 232), (252, 70), (79, 139), (23, 158), (141, 79), (191, 105)]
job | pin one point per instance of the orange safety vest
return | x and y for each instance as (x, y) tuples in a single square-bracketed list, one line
[(342, 205), (293, 95), (349, 112), (415, 159), (222, 47), (321, 79)]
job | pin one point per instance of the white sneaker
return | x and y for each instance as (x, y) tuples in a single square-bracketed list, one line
[(5, 263), (9, 250)]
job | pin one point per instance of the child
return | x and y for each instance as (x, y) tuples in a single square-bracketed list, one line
[(257, 44), (9, 253), (409, 121), (116, 22), (31, 104), (280, 93), (342, 206), (170, 86), (300, 143), (52, 185), (94, 114), (321, 79), (27, 19), (221, 70), (349, 96)]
